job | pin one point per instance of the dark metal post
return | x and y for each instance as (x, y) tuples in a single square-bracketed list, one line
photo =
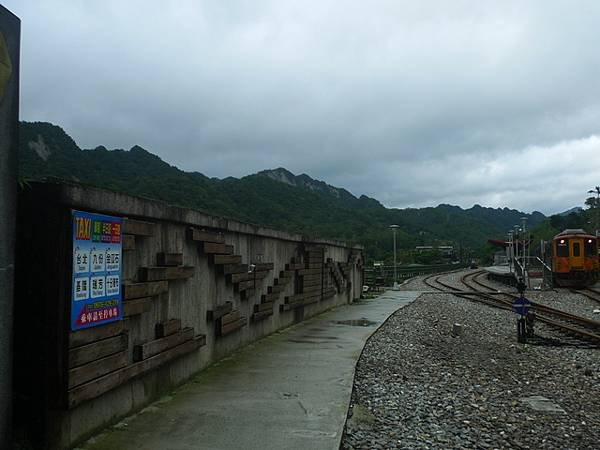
[(10, 28), (521, 321), (394, 228)]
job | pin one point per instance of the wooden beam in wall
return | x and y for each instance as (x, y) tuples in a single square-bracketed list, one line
[(89, 335), (266, 298), (206, 236), (97, 368), (227, 259), (166, 273), (169, 259), (228, 269), (138, 227), (261, 315), (151, 348), (235, 325), (96, 350), (137, 306), (263, 266), (114, 379), (264, 307), (167, 327), (128, 242), (148, 289), (211, 248), (276, 289), (219, 311), (237, 277)]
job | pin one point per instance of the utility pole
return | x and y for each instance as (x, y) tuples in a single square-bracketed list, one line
[(394, 228)]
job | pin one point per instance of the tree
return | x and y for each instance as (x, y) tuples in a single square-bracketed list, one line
[(592, 202), (556, 221), (574, 220)]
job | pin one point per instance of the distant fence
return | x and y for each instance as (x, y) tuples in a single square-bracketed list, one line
[(384, 275)]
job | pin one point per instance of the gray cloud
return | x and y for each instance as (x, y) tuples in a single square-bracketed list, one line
[(413, 103)]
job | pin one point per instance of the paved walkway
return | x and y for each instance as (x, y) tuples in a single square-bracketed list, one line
[(290, 390)]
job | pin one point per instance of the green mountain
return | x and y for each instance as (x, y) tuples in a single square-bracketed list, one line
[(275, 198), (574, 218)]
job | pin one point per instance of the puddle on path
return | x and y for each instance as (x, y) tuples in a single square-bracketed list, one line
[(356, 322)]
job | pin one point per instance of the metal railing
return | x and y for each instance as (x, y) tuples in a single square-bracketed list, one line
[(384, 275), (533, 263)]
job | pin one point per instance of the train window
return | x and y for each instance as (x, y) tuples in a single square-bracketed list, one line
[(590, 247), (562, 248), (576, 249)]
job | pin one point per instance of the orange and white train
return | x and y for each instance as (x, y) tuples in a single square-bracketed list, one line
[(575, 259)]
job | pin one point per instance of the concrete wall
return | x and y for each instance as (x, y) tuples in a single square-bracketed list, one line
[(186, 299), (9, 116)]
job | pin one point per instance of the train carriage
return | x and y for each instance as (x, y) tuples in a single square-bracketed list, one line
[(575, 259)]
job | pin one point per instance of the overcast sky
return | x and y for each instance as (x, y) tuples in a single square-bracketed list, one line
[(414, 103)]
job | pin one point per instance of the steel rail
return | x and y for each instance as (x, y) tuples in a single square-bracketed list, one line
[(592, 294), (543, 311), (488, 298)]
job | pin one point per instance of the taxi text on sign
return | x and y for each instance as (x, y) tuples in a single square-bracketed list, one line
[(97, 252)]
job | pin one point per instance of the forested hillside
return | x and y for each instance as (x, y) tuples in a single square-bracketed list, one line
[(276, 198)]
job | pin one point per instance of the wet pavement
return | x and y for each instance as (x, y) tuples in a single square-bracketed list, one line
[(290, 390)]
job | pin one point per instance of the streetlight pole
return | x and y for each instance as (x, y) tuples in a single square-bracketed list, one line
[(516, 247), (394, 228), (525, 250), (596, 191), (510, 256)]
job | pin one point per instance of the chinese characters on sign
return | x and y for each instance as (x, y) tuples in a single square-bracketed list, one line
[(97, 254)]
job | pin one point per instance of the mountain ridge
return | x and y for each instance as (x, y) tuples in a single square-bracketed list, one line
[(272, 197)]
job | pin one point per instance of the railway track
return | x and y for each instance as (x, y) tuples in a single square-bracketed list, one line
[(428, 282), (592, 294), (580, 328), (436, 280)]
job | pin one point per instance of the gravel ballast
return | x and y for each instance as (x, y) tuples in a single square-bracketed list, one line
[(419, 385), (560, 298)]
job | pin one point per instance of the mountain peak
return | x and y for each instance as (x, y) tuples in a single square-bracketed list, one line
[(138, 149), (575, 209), (306, 182), (280, 174)]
